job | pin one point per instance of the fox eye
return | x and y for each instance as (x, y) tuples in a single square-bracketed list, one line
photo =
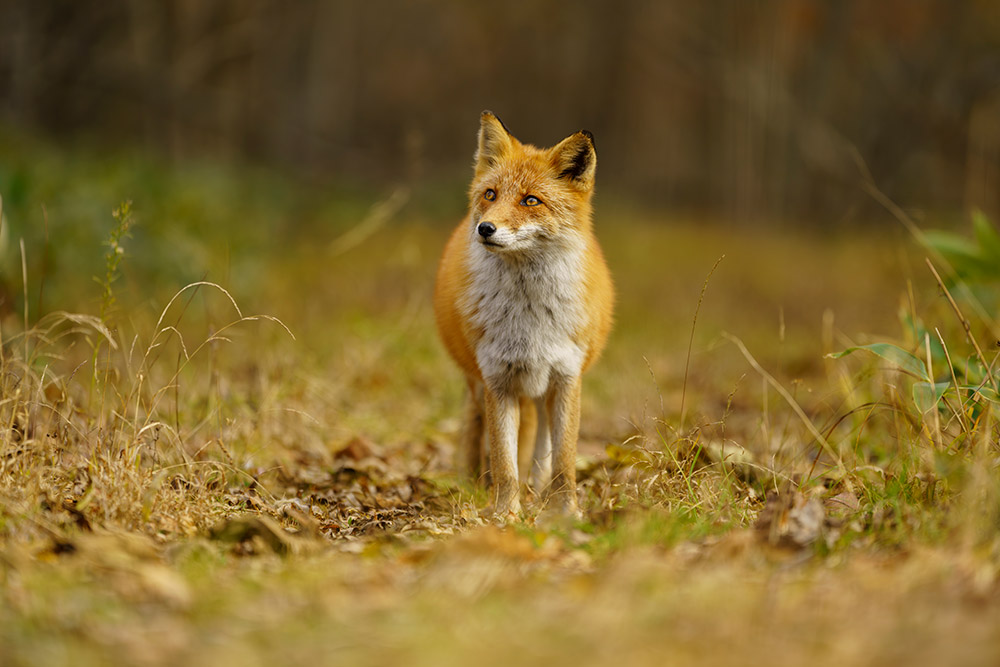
[(490, 194), (531, 200)]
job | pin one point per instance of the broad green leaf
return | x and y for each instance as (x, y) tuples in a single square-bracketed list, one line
[(989, 240), (951, 244), (963, 254), (927, 395), (915, 327), (893, 354), (991, 395), (971, 371)]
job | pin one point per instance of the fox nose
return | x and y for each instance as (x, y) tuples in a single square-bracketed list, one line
[(486, 229)]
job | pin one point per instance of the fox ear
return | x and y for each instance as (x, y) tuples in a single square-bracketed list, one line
[(494, 141), (575, 159)]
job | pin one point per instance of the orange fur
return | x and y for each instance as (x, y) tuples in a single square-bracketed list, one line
[(523, 303)]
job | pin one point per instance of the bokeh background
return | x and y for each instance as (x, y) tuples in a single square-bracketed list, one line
[(750, 112), (311, 157)]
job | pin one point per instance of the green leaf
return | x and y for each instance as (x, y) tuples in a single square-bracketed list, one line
[(927, 395), (991, 395), (951, 244), (915, 327), (963, 254), (989, 240), (893, 354)]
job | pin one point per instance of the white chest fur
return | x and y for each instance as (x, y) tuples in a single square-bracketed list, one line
[(529, 310)]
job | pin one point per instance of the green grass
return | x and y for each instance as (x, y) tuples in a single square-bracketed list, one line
[(261, 469)]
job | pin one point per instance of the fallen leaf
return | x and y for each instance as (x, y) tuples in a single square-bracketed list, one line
[(791, 519), (244, 529)]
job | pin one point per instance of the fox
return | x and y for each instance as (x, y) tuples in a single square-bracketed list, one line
[(523, 301)]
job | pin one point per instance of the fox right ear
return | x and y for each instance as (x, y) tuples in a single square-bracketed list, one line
[(494, 142), (576, 159)]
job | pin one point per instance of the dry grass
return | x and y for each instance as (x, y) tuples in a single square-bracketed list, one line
[(187, 482)]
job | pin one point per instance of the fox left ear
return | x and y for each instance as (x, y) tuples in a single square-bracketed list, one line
[(576, 159), (494, 142)]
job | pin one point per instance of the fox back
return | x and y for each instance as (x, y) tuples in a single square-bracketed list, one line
[(523, 298)]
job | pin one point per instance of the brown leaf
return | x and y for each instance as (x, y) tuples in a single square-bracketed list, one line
[(54, 393), (74, 507), (791, 519), (843, 505), (251, 528), (356, 449)]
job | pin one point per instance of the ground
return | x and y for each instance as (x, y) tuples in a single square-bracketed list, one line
[(262, 469)]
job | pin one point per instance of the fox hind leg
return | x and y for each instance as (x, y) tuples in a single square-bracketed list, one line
[(472, 443), (526, 436), (541, 459)]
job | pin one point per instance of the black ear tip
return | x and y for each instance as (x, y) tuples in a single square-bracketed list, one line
[(589, 135), (487, 114)]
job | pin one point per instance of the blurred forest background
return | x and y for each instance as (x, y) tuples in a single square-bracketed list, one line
[(747, 111)]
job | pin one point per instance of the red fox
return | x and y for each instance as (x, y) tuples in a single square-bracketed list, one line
[(523, 303)]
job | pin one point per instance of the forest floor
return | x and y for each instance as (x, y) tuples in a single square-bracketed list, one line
[(235, 444)]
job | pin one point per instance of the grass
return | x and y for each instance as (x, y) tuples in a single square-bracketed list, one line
[(236, 445)]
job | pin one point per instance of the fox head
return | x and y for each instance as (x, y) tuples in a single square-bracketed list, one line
[(524, 198)]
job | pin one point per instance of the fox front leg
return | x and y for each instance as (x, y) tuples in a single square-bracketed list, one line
[(502, 418), (564, 403)]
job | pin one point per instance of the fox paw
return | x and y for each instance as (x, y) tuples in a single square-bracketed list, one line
[(559, 510), (503, 516)]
